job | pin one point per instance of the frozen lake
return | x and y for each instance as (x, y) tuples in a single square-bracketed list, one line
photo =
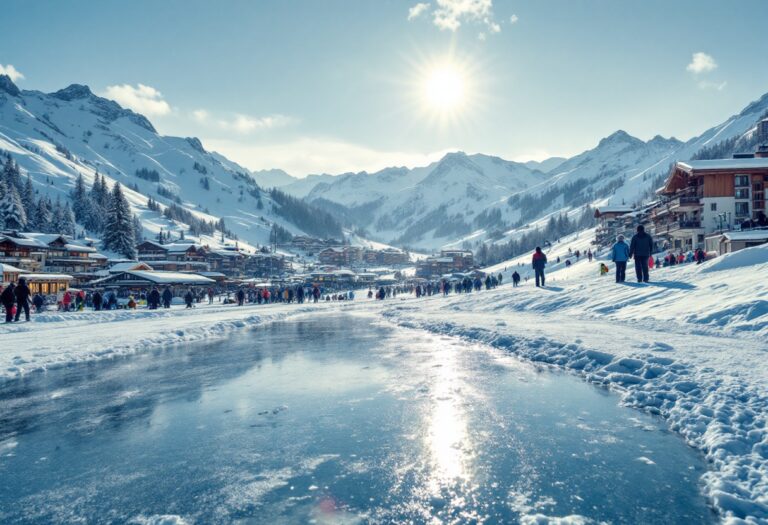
[(333, 419)]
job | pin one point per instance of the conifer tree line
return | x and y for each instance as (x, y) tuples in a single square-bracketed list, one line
[(20, 210), (556, 227)]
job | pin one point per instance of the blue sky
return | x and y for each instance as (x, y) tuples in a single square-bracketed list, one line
[(338, 85)]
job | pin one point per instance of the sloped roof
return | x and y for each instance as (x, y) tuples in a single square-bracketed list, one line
[(724, 164)]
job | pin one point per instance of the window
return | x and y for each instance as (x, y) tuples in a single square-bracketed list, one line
[(713, 206), (742, 209), (742, 193), (741, 180)]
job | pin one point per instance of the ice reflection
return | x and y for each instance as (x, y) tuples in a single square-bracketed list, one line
[(447, 435)]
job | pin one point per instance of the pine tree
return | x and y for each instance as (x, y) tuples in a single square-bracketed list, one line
[(118, 232), (12, 210), (80, 199), (43, 216), (28, 196), (138, 231), (11, 174)]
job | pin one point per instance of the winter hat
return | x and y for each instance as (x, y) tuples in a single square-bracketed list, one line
[(620, 238)]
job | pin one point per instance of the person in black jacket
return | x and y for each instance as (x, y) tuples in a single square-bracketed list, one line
[(641, 249), (8, 298), (22, 298)]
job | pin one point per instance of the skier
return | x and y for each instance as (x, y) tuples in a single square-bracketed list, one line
[(641, 248), (22, 298), (8, 298), (210, 295), (620, 256), (515, 279), (700, 256), (240, 297), (539, 261)]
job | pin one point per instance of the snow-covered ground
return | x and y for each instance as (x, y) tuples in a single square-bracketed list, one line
[(690, 346)]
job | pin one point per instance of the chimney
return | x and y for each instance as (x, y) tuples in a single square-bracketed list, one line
[(762, 139)]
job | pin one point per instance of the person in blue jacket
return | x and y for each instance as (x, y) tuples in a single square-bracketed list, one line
[(620, 256)]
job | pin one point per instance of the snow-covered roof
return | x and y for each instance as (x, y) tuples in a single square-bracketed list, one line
[(132, 265), (724, 164), (160, 277), (79, 248), (46, 277), (212, 275), (615, 209), (181, 247), (23, 241), (7, 268), (748, 235)]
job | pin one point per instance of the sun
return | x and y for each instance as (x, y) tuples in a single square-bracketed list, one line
[(444, 88)]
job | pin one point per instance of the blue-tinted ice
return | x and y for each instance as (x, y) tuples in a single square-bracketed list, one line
[(334, 419)]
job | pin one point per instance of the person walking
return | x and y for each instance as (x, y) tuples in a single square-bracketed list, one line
[(620, 256), (640, 249), (153, 300), (8, 298), (22, 298), (539, 261), (39, 301), (96, 300), (515, 279), (240, 297), (167, 297)]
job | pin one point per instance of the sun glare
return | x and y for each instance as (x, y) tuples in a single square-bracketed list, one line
[(444, 88)]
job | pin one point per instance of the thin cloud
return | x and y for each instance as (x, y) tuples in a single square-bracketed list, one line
[(417, 10), (701, 63), (717, 86), (200, 115), (142, 99), (245, 124), (13, 73), (307, 155), (513, 19), (450, 14)]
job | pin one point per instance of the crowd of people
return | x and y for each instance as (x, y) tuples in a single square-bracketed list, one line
[(17, 298)]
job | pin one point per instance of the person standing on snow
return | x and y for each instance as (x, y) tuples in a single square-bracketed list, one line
[(8, 298), (22, 298), (515, 279), (539, 261), (620, 256), (641, 248), (240, 297)]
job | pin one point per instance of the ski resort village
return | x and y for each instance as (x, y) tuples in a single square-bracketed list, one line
[(445, 262)]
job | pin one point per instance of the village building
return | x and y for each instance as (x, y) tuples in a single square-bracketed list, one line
[(141, 280), (47, 283), (341, 255), (50, 253), (449, 261), (386, 257), (733, 241), (703, 197), (9, 273)]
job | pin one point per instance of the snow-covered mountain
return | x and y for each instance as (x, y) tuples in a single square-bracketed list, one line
[(425, 206), (56, 136), (471, 199)]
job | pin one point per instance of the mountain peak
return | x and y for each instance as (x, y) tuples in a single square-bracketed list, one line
[(619, 137), (7, 85), (73, 92)]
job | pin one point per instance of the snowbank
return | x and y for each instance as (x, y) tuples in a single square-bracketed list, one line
[(58, 339)]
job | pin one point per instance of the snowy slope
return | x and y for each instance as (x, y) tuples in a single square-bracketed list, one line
[(56, 136)]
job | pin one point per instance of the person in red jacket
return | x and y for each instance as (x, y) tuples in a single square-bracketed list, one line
[(538, 262)]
